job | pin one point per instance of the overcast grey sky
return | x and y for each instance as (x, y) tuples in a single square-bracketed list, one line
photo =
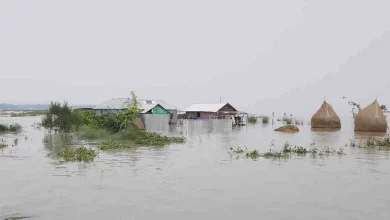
[(262, 56)]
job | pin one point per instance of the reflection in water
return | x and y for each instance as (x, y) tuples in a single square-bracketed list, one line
[(198, 179)]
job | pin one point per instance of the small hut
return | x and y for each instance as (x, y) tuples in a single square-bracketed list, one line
[(371, 119), (325, 117)]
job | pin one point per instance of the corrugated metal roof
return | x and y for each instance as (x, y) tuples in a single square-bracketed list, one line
[(124, 103), (205, 107), (162, 103), (116, 103)]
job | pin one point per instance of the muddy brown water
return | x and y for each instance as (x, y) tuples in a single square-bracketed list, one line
[(198, 179)]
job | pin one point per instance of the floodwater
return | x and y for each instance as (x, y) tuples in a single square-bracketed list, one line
[(198, 179)]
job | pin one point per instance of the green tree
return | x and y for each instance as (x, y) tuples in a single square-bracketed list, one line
[(59, 118)]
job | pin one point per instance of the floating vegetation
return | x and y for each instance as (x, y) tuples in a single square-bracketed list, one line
[(253, 154), (110, 145), (274, 155), (265, 119), (155, 139), (252, 119), (296, 149), (80, 154), (146, 139), (371, 142), (287, 151), (239, 150)]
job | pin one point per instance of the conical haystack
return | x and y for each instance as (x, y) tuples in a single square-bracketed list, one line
[(325, 117), (371, 119)]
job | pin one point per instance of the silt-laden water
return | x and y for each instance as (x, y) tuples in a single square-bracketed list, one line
[(198, 179)]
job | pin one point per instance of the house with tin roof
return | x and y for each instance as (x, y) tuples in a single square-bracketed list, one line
[(208, 111)]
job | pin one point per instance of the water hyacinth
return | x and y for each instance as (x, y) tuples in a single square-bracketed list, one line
[(80, 154)]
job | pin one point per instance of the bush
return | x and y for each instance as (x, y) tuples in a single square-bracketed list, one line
[(12, 128), (252, 119), (15, 127), (59, 118), (265, 119), (4, 128)]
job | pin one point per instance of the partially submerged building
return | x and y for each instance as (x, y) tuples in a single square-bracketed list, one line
[(325, 117), (153, 115), (173, 111), (371, 119), (209, 111)]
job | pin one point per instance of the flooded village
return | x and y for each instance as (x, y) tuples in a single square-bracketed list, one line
[(201, 143), (194, 110)]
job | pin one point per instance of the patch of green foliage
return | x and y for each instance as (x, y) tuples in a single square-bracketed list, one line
[(274, 155), (59, 117), (296, 149), (252, 119), (253, 154), (4, 128), (265, 119), (371, 142), (28, 113), (11, 128), (80, 154), (140, 139)]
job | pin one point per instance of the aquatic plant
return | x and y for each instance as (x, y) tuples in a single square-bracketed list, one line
[(239, 150), (253, 154), (265, 119), (252, 119), (143, 139), (80, 154), (274, 155)]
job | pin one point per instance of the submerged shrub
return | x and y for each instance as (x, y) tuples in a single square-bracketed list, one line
[(4, 128), (80, 154), (12, 128), (265, 119), (252, 119), (59, 117), (15, 127), (253, 154)]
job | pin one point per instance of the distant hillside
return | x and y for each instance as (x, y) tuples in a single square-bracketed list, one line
[(4, 106)]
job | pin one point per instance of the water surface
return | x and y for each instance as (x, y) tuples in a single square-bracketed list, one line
[(198, 179)]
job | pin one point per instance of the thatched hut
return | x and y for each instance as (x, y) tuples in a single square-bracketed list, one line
[(325, 117), (371, 119)]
